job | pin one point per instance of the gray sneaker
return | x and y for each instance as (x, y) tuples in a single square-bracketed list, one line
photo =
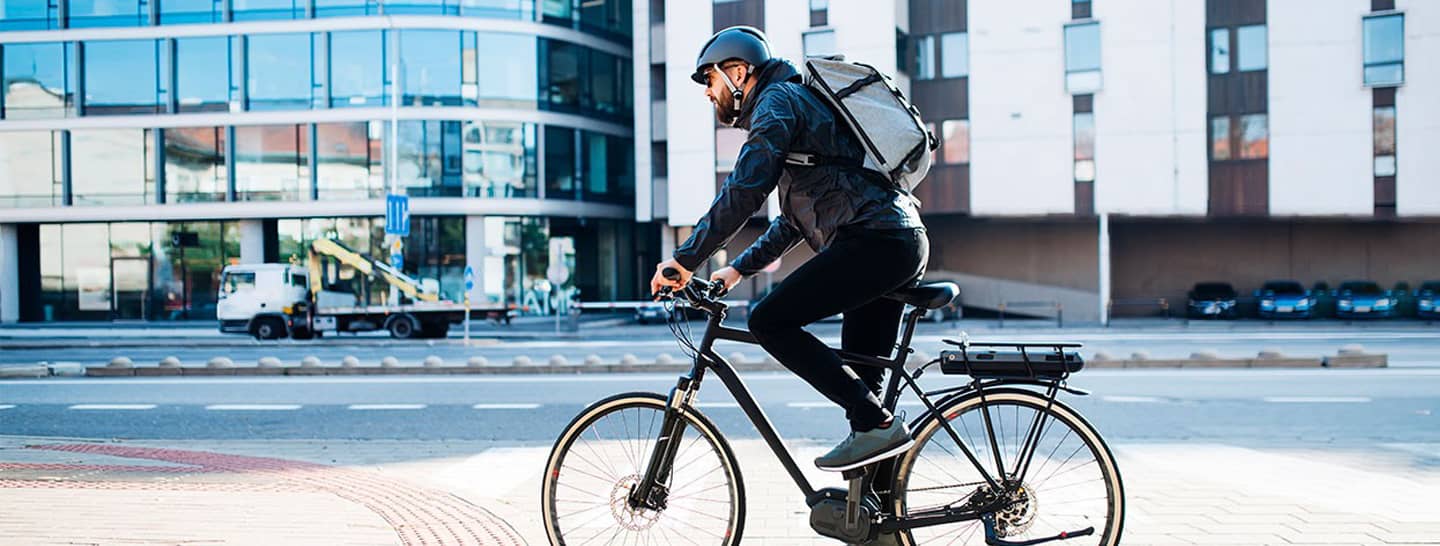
[(862, 448)]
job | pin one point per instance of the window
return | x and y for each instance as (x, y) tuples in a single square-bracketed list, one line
[(430, 158), (610, 17), (606, 91), (1385, 50), (39, 80), (239, 281), (954, 55), (272, 163), (1254, 136), (955, 141), (203, 81), (1219, 51), (1250, 48), (1084, 147), (174, 12), (195, 164), (430, 67), (819, 43), (118, 166), (1220, 138), (1082, 58), (508, 73), (560, 162), (501, 9), (280, 71), (357, 68), (422, 7), (30, 165), (562, 62), (31, 15), (499, 159), (349, 160), (108, 13), (925, 57), (1385, 141), (342, 8), (819, 5), (122, 77)]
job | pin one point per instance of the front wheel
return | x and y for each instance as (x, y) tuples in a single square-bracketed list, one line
[(604, 453), (1071, 483)]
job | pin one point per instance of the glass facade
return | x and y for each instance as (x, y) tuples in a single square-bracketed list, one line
[(272, 163), (350, 164), (430, 67), (203, 70), (29, 15), (122, 77), (181, 12), (1384, 50), (195, 164), (280, 71), (500, 159), (1082, 58), (108, 13), (508, 70), (39, 80), (118, 166), (357, 68), (30, 165), (261, 10)]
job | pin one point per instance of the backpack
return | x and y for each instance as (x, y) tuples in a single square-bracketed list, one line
[(896, 141)]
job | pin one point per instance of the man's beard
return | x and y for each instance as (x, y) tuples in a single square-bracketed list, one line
[(727, 113)]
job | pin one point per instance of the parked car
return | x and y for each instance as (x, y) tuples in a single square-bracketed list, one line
[(1284, 299), (651, 312), (1322, 304), (1427, 300), (1212, 300), (1363, 299)]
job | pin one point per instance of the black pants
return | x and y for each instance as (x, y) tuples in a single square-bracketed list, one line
[(849, 276)]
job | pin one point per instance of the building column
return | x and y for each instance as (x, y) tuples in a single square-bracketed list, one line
[(9, 273), (1104, 250), (475, 252), (252, 241)]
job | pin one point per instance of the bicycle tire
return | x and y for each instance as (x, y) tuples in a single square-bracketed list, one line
[(622, 472), (958, 407)]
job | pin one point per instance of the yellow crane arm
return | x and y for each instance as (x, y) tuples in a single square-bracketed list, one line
[(329, 247)]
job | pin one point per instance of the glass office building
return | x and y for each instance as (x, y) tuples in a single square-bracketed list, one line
[(146, 144)]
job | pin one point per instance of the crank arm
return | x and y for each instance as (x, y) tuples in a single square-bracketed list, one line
[(994, 540)]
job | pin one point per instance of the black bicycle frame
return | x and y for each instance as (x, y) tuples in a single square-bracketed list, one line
[(649, 491)]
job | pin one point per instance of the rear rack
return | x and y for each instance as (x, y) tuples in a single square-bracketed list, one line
[(1051, 348)]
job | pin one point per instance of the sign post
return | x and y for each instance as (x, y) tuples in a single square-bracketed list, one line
[(469, 285)]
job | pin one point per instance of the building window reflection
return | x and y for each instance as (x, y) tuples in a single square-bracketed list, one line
[(350, 160), (39, 80), (507, 70), (523, 10), (117, 166), (195, 164), (202, 73), (280, 75), (30, 169), (122, 77), (560, 163), (33, 15), (108, 13), (357, 68), (430, 67), (259, 10), (272, 163), (422, 7), (499, 159), (430, 158), (561, 63), (178, 12)]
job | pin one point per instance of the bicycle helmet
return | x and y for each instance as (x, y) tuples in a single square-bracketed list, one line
[(741, 42)]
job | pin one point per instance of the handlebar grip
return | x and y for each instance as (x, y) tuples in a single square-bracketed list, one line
[(671, 273)]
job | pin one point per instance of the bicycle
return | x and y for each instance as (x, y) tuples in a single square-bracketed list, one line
[(647, 468)]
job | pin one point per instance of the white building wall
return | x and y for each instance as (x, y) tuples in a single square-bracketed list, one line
[(1417, 112), (1020, 125), (640, 67), (864, 32), (785, 22), (9, 273), (690, 118), (1150, 116), (1320, 110)]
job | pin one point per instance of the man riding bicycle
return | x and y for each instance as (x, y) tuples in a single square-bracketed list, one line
[(867, 235)]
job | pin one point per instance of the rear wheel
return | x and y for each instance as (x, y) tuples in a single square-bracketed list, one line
[(1071, 482), (403, 327), (604, 453), (268, 328)]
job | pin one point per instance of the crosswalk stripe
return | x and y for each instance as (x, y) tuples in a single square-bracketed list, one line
[(112, 407), (252, 407), (6, 406)]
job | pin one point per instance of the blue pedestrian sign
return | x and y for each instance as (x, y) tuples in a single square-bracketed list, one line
[(397, 215), (469, 278), (397, 261)]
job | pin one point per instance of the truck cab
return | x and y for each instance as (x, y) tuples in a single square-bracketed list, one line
[(253, 298)]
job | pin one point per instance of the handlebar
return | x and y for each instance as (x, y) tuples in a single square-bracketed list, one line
[(697, 290)]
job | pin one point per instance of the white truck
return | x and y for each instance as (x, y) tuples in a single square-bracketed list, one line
[(272, 301)]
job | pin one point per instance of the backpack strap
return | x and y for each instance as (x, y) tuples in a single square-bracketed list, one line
[(806, 159)]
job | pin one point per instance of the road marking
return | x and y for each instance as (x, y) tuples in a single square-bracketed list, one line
[(505, 406), (386, 406), (1131, 399), (6, 406), (252, 407), (113, 406), (1317, 399)]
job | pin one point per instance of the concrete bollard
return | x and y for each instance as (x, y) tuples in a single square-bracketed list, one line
[(1269, 354), (1140, 355), (389, 362), (268, 362), (559, 360), (67, 369), (737, 358), (1102, 355), (477, 362), (310, 362), (523, 360), (433, 361), (664, 359), (170, 362), (1205, 354), (350, 362), (629, 360), (220, 362), (15, 372), (1352, 349), (594, 360), (121, 362)]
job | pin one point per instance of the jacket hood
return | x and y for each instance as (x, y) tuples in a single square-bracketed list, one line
[(773, 71)]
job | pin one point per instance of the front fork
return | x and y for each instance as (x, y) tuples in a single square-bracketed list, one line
[(652, 492)]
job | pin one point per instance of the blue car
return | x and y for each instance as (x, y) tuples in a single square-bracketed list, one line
[(1363, 299), (1284, 299), (1427, 304), (1212, 300)]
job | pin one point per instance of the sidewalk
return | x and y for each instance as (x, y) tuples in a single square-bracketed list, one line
[(58, 491)]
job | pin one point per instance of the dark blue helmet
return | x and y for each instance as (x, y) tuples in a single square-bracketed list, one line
[(738, 42)]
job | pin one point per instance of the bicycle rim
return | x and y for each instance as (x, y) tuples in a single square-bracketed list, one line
[(602, 455), (1071, 482)]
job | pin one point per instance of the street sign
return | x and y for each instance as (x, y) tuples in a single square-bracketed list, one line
[(557, 274), (397, 215), (469, 278), (397, 261)]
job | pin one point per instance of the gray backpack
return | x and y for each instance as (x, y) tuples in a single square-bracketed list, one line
[(897, 143)]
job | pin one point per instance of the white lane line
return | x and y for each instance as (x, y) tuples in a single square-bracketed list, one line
[(520, 406), (1131, 399), (1317, 399), (386, 406), (252, 407), (113, 406), (6, 406), (808, 405)]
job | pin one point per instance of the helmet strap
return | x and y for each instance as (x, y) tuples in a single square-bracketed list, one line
[(735, 92)]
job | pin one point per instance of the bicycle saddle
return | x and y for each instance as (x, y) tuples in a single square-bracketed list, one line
[(927, 296)]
